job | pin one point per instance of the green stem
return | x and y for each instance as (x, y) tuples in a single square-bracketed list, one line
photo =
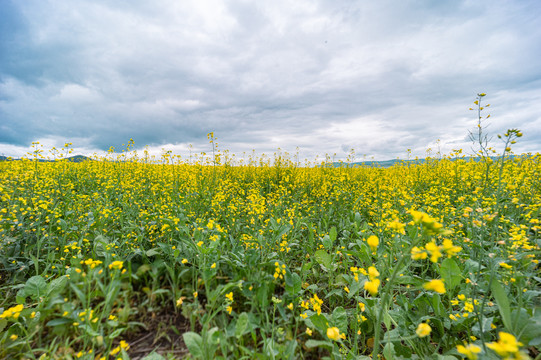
[(385, 298)]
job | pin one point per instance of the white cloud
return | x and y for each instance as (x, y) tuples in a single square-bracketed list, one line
[(382, 77)]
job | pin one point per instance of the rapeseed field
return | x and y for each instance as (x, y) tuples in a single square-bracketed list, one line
[(265, 259)]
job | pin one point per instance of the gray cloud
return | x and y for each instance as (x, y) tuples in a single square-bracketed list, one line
[(381, 77)]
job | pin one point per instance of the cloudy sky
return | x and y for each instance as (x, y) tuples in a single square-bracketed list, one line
[(380, 77)]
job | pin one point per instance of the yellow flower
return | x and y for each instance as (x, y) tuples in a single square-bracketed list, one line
[(195, 294), (435, 285), (229, 296), (346, 289), (373, 273), (362, 306), (290, 306), (397, 226), (507, 345), (200, 243), (434, 251), (213, 266), (229, 309), (333, 333), (180, 300), (418, 254), (184, 261), (309, 331), (373, 242), (470, 351), (423, 330), (114, 351), (14, 337), (13, 312), (449, 248), (372, 286), (505, 265), (116, 265)]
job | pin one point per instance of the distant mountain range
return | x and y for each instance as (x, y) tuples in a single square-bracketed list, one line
[(76, 158), (389, 163), (381, 164)]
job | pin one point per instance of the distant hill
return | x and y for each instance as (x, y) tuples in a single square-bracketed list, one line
[(76, 158), (79, 158), (389, 163), (374, 163)]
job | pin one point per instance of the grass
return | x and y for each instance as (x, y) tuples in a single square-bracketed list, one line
[(268, 260)]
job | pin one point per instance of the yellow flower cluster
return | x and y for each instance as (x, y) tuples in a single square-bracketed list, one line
[(435, 251), (91, 263), (430, 225), (333, 333), (122, 346), (372, 285), (373, 242), (423, 330), (12, 312), (397, 226), (355, 270), (279, 271), (469, 350), (116, 265), (507, 347), (315, 302), (435, 285)]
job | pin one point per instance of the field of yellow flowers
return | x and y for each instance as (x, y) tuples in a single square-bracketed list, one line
[(270, 260)]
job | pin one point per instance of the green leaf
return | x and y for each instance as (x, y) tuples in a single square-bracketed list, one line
[(503, 304), (320, 322), (327, 242), (116, 333), (153, 356), (194, 343), (318, 343), (35, 287), (213, 335), (437, 305), (323, 258), (59, 322), (262, 295), (450, 273), (153, 252), (354, 288), (532, 331), (100, 244), (56, 286), (242, 325), (89, 330), (388, 351), (289, 351), (332, 234), (141, 270), (63, 224), (340, 319), (293, 283), (358, 218)]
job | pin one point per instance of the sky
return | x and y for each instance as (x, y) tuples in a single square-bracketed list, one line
[(388, 79)]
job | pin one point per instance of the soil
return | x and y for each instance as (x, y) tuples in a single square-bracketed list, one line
[(163, 335)]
